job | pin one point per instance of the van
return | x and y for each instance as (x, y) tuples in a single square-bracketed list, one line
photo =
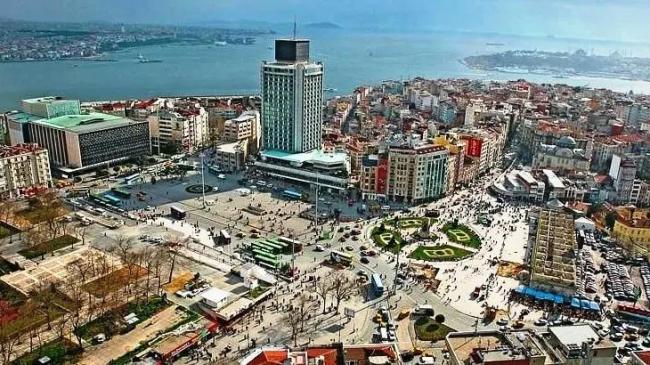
[(424, 310)]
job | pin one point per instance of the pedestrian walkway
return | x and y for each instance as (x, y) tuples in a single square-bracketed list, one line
[(121, 344)]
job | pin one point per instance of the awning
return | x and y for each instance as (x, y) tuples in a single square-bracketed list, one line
[(558, 299), (575, 302), (521, 289), (549, 297), (594, 306), (584, 304)]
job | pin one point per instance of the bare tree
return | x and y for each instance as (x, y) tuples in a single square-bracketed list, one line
[(342, 287), (49, 207), (9, 339), (323, 288), (78, 299), (173, 243), (293, 319), (81, 233), (44, 297), (304, 306)]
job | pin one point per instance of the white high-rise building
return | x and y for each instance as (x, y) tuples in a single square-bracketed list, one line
[(292, 99)]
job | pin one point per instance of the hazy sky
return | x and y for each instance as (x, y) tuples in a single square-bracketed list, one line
[(625, 20)]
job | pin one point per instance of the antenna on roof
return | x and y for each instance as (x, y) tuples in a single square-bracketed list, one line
[(294, 27)]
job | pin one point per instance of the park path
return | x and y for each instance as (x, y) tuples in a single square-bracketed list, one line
[(121, 344)]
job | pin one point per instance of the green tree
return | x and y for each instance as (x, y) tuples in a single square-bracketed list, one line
[(439, 318)]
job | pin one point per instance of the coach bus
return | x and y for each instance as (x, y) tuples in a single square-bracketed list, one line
[(177, 213), (341, 257)]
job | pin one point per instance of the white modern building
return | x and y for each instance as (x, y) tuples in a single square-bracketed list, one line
[(292, 99), (23, 166)]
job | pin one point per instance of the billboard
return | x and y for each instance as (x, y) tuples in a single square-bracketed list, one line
[(474, 146)]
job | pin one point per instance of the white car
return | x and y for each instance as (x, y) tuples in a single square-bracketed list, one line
[(427, 360), (319, 248), (184, 294), (221, 176)]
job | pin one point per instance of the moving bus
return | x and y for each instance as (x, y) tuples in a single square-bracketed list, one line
[(291, 194), (131, 178), (377, 285), (177, 213), (341, 257), (291, 244), (224, 237)]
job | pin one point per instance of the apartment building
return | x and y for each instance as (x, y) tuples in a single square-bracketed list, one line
[(417, 173), (23, 167)]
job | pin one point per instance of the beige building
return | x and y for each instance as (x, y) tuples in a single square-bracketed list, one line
[(417, 173), (188, 130), (22, 167), (244, 127), (552, 257), (231, 156)]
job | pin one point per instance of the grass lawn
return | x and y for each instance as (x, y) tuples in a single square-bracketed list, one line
[(46, 247), (112, 282), (11, 295), (408, 222), (112, 322), (439, 253), (36, 216), (25, 317), (7, 267), (426, 329), (60, 351), (259, 290), (6, 231), (462, 234), (382, 238)]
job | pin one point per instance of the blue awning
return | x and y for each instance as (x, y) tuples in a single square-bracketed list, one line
[(549, 297), (521, 289), (575, 302), (594, 306), (558, 299), (584, 304), (539, 295)]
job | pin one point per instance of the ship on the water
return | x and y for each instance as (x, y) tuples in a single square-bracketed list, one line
[(142, 59)]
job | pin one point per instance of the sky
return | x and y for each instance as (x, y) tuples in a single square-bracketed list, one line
[(622, 20)]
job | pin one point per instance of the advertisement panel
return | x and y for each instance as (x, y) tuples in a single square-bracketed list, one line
[(474, 147)]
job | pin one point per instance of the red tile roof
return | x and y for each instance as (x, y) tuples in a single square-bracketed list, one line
[(328, 353), (644, 356), (270, 357)]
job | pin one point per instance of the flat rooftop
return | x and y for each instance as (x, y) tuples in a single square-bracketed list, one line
[(22, 117), (466, 345), (85, 122), (578, 334), (314, 157), (553, 180)]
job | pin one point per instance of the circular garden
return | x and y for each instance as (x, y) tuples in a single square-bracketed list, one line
[(198, 189), (394, 233)]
